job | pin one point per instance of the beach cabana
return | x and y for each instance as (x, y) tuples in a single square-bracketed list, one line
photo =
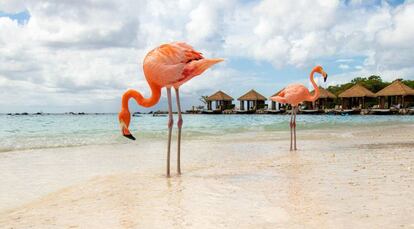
[(275, 105), (326, 100), (254, 100), (356, 97), (222, 101), (396, 94)]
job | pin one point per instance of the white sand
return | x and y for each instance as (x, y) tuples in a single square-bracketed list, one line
[(338, 179)]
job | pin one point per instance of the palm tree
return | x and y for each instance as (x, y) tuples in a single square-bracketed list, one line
[(203, 99)]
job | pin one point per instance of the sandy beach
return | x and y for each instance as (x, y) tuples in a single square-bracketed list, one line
[(343, 178)]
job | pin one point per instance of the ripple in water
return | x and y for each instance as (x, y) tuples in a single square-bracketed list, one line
[(49, 131)]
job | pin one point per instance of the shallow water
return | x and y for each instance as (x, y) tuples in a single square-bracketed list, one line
[(353, 178), (51, 131)]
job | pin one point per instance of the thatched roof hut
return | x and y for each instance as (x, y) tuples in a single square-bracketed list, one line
[(254, 100), (219, 96), (396, 93), (274, 105), (356, 91), (356, 96), (325, 100), (397, 88), (252, 95), (223, 101), (324, 94), (277, 93)]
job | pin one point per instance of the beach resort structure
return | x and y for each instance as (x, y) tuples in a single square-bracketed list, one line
[(275, 105), (254, 101), (356, 97), (222, 101), (396, 94), (326, 100), (397, 98)]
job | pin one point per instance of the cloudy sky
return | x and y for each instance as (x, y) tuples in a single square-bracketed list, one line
[(80, 55)]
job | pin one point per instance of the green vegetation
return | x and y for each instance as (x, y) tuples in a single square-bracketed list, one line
[(409, 83), (373, 83)]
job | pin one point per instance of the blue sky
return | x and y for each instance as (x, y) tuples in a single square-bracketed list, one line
[(21, 17), (60, 56)]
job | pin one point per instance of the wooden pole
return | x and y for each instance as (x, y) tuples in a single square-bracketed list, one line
[(363, 102), (402, 101)]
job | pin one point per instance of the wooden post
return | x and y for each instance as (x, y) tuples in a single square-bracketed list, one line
[(363, 102), (402, 101)]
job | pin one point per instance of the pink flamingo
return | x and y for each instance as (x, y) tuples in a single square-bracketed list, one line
[(169, 65), (294, 94)]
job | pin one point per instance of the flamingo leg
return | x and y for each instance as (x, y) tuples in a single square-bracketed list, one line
[(170, 125), (294, 127), (179, 124), (291, 130)]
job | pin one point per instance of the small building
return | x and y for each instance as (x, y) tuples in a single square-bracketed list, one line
[(275, 105), (356, 97), (254, 101), (396, 94), (326, 100), (222, 101)]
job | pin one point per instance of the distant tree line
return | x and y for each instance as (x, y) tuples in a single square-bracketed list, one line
[(373, 83)]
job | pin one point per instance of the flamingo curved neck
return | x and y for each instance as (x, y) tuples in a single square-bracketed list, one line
[(145, 102), (315, 87)]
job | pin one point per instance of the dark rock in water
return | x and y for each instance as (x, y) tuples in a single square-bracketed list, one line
[(81, 113), (25, 113), (9, 113), (72, 113), (39, 113)]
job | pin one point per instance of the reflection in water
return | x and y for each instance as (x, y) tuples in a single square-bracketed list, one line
[(300, 196), (295, 187), (175, 193)]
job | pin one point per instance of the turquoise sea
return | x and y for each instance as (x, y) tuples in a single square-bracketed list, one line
[(62, 130)]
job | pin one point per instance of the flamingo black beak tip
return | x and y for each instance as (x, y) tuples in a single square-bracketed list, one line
[(324, 78), (129, 136)]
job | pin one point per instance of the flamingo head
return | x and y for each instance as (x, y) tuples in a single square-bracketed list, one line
[(124, 119), (320, 70)]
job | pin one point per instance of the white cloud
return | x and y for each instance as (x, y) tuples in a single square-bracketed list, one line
[(343, 66), (345, 60), (80, 52)]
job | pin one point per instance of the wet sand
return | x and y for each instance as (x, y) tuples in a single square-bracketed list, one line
[(359, 178)]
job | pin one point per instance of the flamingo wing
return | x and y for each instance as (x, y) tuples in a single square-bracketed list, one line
[(296, 93), (175, 63), (280, 97)]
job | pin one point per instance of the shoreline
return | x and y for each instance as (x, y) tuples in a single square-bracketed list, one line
[(192, 132), (359, 177)]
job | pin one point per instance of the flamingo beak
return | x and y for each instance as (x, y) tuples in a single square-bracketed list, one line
[(130, 136), (325, 76), (125, 131)]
